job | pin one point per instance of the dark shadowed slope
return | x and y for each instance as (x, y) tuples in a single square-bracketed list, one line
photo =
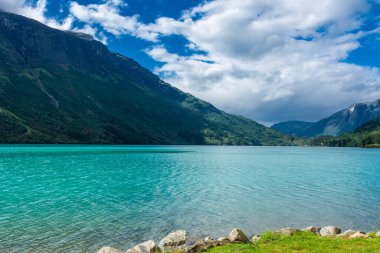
[(62, 87), (293, 127)]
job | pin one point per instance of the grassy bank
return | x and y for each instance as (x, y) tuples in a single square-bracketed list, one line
[(303, 242)]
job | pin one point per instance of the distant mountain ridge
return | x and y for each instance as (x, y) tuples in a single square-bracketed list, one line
[(367, 135), (346, 120), (64, 87)]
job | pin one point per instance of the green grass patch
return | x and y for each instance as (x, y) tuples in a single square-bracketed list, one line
[(302, 243)]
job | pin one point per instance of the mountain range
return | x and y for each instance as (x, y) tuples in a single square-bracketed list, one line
[(343, 121), (367, 135), (64, 87)]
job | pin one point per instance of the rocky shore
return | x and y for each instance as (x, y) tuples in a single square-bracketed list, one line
[(176, 241)]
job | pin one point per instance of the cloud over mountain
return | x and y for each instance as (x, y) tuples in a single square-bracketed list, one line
[(36, 12), (273, 61), (270, 60)]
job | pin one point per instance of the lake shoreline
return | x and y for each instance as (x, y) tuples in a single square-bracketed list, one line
[(176, 241)]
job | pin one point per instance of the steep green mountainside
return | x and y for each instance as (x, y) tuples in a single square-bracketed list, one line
[(292, 128), (344, 121), (63, 87), (367, 135)]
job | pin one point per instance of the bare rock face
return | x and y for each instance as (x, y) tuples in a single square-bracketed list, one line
[(313, 229), (288, 231), (145, 247), (175, 241), (237, 235), (346, 233), (110, 250), (330, 231), (358, 235)]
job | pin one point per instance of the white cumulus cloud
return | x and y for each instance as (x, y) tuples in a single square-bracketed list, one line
[(11, 5), (108, 15), (35, 11), (271, 60)]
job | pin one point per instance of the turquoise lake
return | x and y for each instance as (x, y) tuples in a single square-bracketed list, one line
[(80, 198)]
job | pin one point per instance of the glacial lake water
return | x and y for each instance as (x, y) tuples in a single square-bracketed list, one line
[(80, 198)]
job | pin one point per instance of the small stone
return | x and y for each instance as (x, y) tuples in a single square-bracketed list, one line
[(222, 239), (256, 238), (358, 235), (313, 229), (237, 235), (145, 247), (110, 250), (175, 241), (208, 238), (347, 233), (288, 231), (203, 245), (330, 231)]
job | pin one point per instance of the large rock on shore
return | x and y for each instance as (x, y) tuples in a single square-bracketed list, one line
[(110, 250), (313, 229), (175, 241), (237, 235), (145, 247), (378, 233), (287, 231), (330, 231)]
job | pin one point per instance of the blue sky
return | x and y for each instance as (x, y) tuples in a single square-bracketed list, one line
[(148, 12), (268, 60)]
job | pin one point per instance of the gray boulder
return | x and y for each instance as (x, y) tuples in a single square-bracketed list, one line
[(175, 241), (378, 233), (313, 229), (145, 247), (288, 231), (110, 250), (330, 231), (237, 235)]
